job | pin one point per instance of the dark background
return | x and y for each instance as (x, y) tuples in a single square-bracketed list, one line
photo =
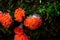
[(49, 10)]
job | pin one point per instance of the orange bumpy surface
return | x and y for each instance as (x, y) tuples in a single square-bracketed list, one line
[(18, 30), (32, 23), (6, 20), (21, 37), (19, 14)]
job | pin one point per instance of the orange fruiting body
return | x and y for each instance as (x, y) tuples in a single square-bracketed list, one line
[(6, 20), (33, 22), (1, 15), (19, 14), (21, 37), (19, 31)]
